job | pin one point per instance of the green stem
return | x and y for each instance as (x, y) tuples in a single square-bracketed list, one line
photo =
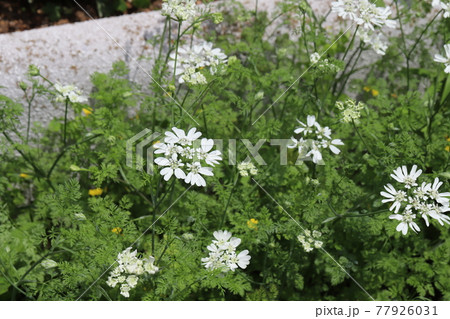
[(65, 122), (176, 50)]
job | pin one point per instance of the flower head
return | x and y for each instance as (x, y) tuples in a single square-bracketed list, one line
[(314, 138), (185, 157), (69, 92), (222, 253), (129, 269), (425, 200)]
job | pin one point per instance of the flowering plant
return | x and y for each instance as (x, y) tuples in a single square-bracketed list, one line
[(238, 200)]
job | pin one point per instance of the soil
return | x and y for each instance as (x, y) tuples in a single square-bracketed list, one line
[(19, 15)]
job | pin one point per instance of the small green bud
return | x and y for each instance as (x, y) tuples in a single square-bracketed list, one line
[(75, 168), (259, 95), (23, 85), (48, 263), (79, 216), (33, 70), (217, 17), (233, 60)]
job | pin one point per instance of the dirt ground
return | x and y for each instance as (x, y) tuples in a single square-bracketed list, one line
[(19, 15)]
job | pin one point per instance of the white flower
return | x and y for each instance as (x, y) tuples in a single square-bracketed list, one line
[(194, 177), (440, 5), (401, 175), (315, 153), (314, 58), (132, 281), (211, 158), (433, 191), (125, 290), (446, 60), (70, 92), (407, 220), (374, 40), (190, 62), (222, 253), (247, 168), (397, 197), (181, 137), (364, 12), (149, 267), (221, 236), (309, 242), (308, 127), (129, 269), (179, 9), (173, 166), (242, 260), (425, 200), (332, 145), (186, 157)]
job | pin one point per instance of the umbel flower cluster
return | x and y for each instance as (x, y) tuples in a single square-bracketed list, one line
[(313, 139), (310, 241), (366, 14), (414, 200), (129, 269), (324, 65), (350, 110), (69, 92), (191, 60), (246, 169), (222, 253), (180, 10), (186, 157), (445, 60)]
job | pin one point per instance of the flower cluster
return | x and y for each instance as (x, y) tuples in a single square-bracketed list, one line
[(191, 60), (180, 10), (129, 269), (70, 92), (310, 241), (374, 40), (366, 14), (313, 139), (186, 157), (222, 253), (442, 5), (424, 200), (350, 110), (446, 60), (324, 65), (247, 168)]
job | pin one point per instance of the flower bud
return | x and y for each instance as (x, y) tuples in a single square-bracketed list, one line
[(48, 264), (33, 70)]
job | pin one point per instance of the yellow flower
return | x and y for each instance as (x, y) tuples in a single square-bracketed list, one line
[(366, 88), (375, 92), (447, 148), (23, 175), (96, 192), (86, 111), (251, 223), (117, 230), (448, 139)]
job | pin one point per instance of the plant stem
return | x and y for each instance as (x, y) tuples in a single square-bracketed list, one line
[(176, 50), (65, 122)]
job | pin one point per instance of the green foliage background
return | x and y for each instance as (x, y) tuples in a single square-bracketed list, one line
[(406, 123)]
